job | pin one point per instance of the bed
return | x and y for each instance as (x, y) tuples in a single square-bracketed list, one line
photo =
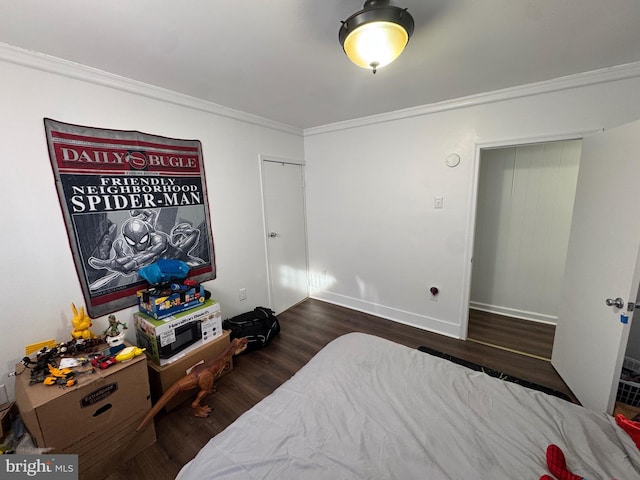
[(368, 408)]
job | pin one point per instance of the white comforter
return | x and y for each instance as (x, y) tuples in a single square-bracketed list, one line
[(367, 408)]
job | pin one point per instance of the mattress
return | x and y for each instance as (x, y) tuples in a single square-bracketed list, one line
[(368, 408)]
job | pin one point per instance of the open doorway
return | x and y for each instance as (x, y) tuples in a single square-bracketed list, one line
[(524, 207)]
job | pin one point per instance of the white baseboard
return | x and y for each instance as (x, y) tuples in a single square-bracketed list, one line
[(407, 318), (515, 313)]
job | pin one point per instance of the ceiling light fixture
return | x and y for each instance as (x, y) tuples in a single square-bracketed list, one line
[(376, 35)]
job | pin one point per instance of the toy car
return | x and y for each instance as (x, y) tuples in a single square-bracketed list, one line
[(103, 361)]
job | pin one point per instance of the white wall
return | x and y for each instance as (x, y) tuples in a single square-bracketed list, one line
[(38, 280), (523, 219), (377, 244)]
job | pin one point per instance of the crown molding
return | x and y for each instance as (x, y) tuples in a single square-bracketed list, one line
[(50, 64), (76, 71), (610, 74)]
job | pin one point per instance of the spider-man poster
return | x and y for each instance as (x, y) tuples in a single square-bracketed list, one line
[(128, 199)]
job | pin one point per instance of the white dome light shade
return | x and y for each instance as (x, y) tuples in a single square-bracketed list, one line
[(376, 35), (376, 44)]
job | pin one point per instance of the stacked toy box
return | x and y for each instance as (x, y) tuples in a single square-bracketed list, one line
[(174, 320), (166, 300)]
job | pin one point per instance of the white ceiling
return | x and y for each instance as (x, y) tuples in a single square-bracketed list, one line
[(280, 59)]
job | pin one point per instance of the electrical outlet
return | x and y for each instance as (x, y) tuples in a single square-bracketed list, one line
[(433, 294), (243, 294)]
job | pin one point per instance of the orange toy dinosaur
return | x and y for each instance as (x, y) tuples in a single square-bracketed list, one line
[(202, 376)]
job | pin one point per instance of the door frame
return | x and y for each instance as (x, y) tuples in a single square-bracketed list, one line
[(276, 159), (473, 204)]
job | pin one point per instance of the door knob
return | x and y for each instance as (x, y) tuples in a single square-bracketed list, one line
[(618, 302), (273, 234)]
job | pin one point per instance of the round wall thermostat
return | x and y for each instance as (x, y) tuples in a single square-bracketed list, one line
[(452, 160)]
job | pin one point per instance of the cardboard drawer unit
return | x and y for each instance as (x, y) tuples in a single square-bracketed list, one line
[(95, 419), (8, 414)]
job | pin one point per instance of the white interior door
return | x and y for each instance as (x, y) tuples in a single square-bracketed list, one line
[(602, 262), (283, 185)]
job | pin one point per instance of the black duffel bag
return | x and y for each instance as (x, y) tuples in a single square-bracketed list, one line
[(259, 326)]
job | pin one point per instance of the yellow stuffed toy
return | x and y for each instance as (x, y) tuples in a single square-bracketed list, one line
[(81, 323)]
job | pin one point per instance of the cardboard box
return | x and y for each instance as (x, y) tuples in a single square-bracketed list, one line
[(156, 305), (161, 378), (8, 414), (169, 339), (95, 419)]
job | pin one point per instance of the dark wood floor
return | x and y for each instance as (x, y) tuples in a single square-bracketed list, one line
[(527, 337), (306, 328)]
